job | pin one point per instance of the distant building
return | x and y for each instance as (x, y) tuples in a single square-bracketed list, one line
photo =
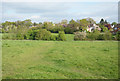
[(53, 24), (93, 27), (112, 26), (116, 29)]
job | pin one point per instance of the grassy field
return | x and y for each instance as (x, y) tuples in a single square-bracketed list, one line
[(59, 60)]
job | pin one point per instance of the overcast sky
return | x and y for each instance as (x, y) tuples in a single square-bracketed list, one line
[(40, 11)]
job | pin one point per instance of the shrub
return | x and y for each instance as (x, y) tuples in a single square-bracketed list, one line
[(5, 37), (61, 36), (97, 36), (46, 35), (114, 37), (80, 36), (93, 35), (19, 36), (30, 34), (100, 37), (38, 34), (68, 30), (9, 36), (53, 37), (55, 29), (2, 30), (13, 36), (118, 36), (107, 35), (43, 34)]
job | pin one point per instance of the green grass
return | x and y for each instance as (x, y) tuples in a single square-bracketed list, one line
[(59, 60)]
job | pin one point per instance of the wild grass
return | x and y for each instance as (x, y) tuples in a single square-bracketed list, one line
[(27, 59)]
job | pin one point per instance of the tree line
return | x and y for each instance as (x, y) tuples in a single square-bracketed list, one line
[(43, 31)]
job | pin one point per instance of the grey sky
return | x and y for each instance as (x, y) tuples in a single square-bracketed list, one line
[(56, 11)]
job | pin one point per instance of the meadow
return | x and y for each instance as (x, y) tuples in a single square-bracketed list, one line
[(35, 59)]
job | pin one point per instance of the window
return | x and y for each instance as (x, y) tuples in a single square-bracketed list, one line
[(115, 28)]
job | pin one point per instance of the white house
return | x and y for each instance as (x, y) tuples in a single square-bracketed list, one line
[(92, 27)]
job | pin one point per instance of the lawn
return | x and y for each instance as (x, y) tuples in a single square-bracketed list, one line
[(59, 60)]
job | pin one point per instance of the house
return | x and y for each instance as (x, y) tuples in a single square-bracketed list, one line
[(112, 26), (93, 27), (53, 24), (116, 29)]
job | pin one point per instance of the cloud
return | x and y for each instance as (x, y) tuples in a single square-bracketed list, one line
[(33, 7), (60, 0), (56, 11), (34, 17)]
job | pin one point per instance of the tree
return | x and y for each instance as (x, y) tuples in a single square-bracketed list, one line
[(73, 25), (90, 20), (40, 22), (72, 21), (27, 22), (64, 21), (21, 31), (83, 24), (114, 23), (61, 36), (30, 34), (34, 24), (68, 30), (19, 36), (104, 29), (47, 25), (105, 22), (102, 21), (118, 36)]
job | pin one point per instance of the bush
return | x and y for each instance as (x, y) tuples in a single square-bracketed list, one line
[(46, 35), (107, 36), (68, 30), (5, 37), (80, 36), (43, 34), (30, 34), (19, 36), (61, 36), (93, 35), (38, 34), (100, 37), (55, 29), (9, 36), (118, 36), (53, 37), (114, 37), (2, 30), (97, 36)]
